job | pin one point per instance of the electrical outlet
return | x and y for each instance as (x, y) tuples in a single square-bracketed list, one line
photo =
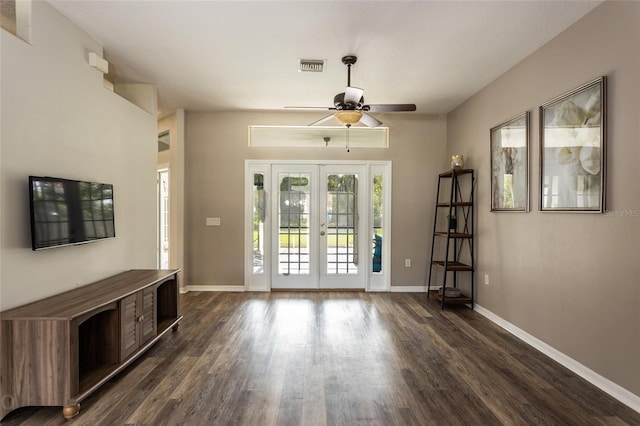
[(407, 263), (486, 279)]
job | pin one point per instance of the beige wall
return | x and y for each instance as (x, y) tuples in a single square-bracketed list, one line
[(59, 120), (571, 280), (217, 146)]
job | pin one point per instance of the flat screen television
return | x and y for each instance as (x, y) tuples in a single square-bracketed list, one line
[(67, 212)]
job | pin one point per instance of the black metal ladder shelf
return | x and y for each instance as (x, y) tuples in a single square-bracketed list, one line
[(457, 238)]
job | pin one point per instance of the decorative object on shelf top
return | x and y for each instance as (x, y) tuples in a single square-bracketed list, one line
[(457, 161)]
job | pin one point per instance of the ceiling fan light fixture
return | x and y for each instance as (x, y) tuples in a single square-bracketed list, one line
[(348, 117)]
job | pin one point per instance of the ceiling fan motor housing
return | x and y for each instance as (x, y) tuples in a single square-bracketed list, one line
[(338, 102)]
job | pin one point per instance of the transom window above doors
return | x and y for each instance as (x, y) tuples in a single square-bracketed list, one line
[(309, 137)]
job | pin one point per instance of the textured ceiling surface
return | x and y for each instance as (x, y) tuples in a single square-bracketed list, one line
[(243, 55)]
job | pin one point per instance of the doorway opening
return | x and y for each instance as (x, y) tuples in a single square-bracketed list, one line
[(163, 218)]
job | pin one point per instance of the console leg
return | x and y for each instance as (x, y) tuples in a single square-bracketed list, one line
[(71, 411), (175, 327)]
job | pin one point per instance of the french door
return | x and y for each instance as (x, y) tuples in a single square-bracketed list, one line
[(319, 226)]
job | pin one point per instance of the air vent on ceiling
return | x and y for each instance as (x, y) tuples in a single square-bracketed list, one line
[(311, 65)]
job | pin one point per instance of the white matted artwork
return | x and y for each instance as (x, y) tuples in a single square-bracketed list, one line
[(572, 150), (510, 165)]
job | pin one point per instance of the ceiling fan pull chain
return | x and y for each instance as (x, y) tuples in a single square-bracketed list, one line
[(348, 127)]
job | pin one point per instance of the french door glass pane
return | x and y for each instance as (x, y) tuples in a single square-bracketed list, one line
[(377, 222), (293, 219), (342, 224), (258, 223)]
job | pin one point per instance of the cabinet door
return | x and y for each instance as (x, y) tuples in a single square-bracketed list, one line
[(147, 314), (129, 338)]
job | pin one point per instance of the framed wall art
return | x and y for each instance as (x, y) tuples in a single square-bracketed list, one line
[(572, 150), (510, 165)]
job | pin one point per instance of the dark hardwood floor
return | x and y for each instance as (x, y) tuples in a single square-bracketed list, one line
[(338, 358)]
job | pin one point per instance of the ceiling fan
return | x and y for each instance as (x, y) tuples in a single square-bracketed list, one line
[(350, 107)]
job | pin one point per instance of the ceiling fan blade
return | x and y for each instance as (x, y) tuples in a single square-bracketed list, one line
[(370, 121), (390, 107), (307, 107), (352, 95), (322, 120)]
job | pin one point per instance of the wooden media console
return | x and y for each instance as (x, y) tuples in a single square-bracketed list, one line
[(58, 350)]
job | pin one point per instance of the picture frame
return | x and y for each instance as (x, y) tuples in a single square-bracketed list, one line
[(573, 150), (510, 165)]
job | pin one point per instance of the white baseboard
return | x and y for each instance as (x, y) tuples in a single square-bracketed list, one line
[(408, 289), (235, 288), (613, 389)]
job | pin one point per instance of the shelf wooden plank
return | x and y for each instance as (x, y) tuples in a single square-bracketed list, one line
[(453, 234), (96, 375), (455, 204), (453, 266), (450, 173), (165, 322), (460, 300)]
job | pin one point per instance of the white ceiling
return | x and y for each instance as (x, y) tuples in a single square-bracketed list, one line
[(243, 55)]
